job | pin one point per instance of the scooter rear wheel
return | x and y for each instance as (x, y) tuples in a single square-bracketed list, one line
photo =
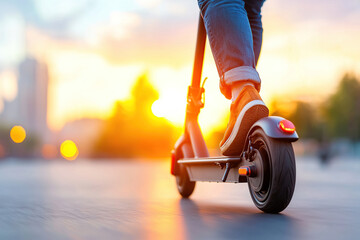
[(273, 186), (184, 185)]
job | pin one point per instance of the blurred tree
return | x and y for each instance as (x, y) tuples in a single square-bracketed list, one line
[(143, 95), (306, 119), (133, 130), (343, 109), (108, 144), (282, 106)]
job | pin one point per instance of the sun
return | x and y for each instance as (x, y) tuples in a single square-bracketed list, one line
[(172, 109), (157, 109)]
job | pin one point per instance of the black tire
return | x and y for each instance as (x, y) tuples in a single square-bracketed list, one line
[(273, 187), (184, 185)]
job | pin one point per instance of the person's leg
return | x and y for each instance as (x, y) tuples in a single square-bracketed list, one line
[(253, 9), (231, 42)]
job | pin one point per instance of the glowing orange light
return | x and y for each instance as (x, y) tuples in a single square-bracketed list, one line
[(69, 150), (287, 126), (244, 171), (18, 134)]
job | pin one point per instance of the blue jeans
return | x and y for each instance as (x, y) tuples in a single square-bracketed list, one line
[(234, 30)]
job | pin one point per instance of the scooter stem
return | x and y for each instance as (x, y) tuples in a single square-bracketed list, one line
[(199, 54), (194, 100)]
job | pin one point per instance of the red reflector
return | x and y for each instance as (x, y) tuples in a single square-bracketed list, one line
[(287, 126)]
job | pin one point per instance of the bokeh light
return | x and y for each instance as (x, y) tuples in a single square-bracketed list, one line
[(69, 150), (18, 134)]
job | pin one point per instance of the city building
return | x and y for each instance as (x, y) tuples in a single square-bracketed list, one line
[(29, 108)]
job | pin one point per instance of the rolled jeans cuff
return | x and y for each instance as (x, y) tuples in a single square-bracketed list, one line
[(238, 74)]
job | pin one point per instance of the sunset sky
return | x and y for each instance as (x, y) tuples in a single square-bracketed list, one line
[(96, 49)]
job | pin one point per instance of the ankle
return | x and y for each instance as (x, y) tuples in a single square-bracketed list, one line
[(237, 87)]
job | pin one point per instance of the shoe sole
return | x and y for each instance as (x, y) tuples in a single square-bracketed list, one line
[(252, 112)]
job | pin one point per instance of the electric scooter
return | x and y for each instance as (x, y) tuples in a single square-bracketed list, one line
[(266, 162)]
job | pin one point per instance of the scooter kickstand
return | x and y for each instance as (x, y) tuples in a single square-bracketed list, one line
[(226, 173)]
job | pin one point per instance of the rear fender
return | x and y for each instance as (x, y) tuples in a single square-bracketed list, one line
[(270, 125)]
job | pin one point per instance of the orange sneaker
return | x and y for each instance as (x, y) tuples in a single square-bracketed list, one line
[(244, 112)]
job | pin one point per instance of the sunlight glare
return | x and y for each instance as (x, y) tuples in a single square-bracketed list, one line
[(105, 84), (157, 109), (173, 109), (8, 85)]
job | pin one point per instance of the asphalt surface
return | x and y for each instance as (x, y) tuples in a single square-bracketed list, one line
[(138, 200)]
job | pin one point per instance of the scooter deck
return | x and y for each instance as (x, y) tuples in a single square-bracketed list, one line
[(214, 169), (210, 160)]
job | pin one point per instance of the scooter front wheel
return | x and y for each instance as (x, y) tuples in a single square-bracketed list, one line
[(273, 186), (184, 185)]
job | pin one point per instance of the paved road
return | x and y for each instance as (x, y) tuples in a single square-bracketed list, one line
[(138, 200)]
